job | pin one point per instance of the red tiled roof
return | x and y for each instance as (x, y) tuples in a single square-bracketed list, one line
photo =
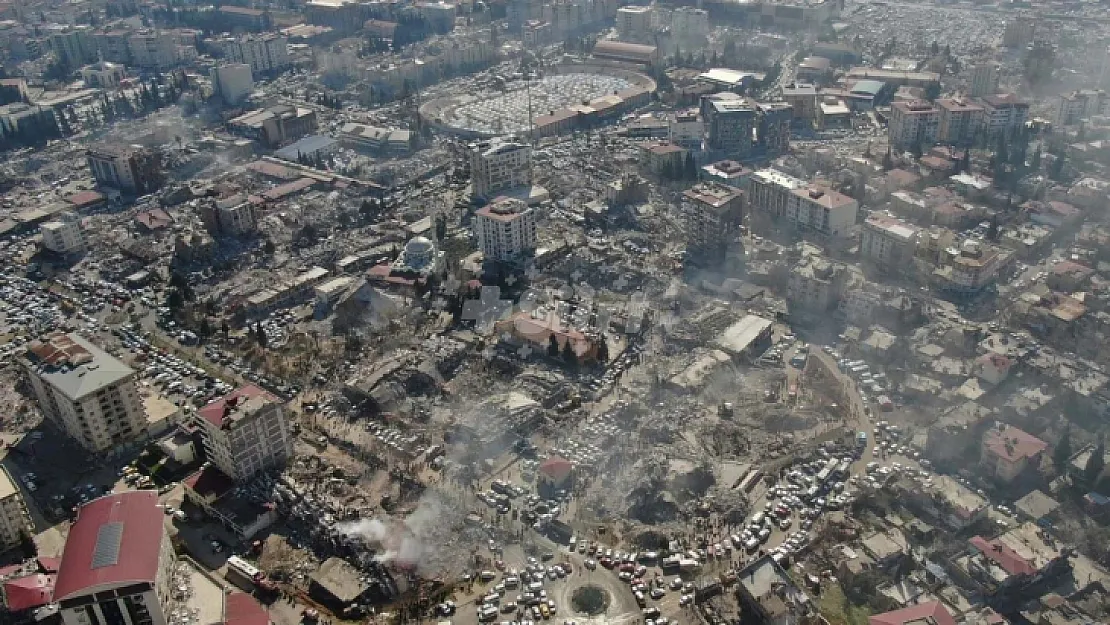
[(49, 565), (28, 592), (242, 609), (85, 198), (915, 614), (154, 219), (214, 412), (556, 468), (209, 481), (1001, 554), (136, 520), (1013, 444)]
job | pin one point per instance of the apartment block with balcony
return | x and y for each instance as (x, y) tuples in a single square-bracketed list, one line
[(1007, 452), (128, 168), (85, 392), (63, 236), (506, 230), (888, 242), (960, 121), (1003, 112), (497, 166), (714, 213), (266, 54), (822, 212), (246, 433), (912, 123), (14, 518)]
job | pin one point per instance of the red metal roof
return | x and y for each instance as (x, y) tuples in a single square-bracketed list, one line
[(140, 525), (556, 468), (1013, 444), (49, 565), (242, 609), (214, 412), (1001, 554), (917, 615), (28, 592)]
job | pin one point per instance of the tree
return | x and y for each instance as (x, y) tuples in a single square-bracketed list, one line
[(569, 356), (224, 328), (932, 92), (205, 329), (1035, 164), (553, 347), (1056, 170), (174, 301), (268, 247), (1095, 464), (916, 150), (603, 351), (27, 545), (260, 335), (965, 161), (888, 160), (1062, 452), (691, 167), (934, 49)]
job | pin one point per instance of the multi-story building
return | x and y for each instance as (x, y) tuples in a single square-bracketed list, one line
[(816, 285), (84, 391), (888, 242), (730, 121), (73, 47), (243, 18), (113, 45), (14, 518), (373, 139), (713, 213), (802, 99), (506, 230), (439, 15), (63, 235), (233, 82), (153, 50), (1004, 113), (245, 433), (497, 166), (275, 125), (687, 129), (1019, 32), (771, 192), (266, 54), (127, 168), (774, 127), (235, 214), (1076, 106), (960, 121), (118, 563), (821, 211), (18, 117), (912, 123), (689, 27), (970, 269), (662, 159), (984, 80), (1007, 452)]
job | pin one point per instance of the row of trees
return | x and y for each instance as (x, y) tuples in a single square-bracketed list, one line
[(687, 170)]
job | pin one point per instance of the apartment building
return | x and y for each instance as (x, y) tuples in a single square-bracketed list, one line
[(14, 518), (912, 123), (888, 242), (730, 122), (689, 26), (118, 563), (74, 47), (127, 168), (235, 214), (1071, 108), (497, 166), (713, 213), (802, 99), (1007, 452), (969, 269), (63, 236), (984, 80), (1003, 112), (773, 136), (771, 192), (153, 50), (245, 433), (816, 285), (84, 391), (506, 229), (266, 54), (687, 129), (821, 211), (232, 82), (960, 121)]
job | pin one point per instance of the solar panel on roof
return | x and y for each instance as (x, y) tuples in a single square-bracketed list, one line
[(106, 550)]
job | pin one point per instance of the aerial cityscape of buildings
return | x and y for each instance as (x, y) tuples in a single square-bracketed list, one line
[(784, 312)]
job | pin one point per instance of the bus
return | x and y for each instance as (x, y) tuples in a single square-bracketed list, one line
[(247, 576), (824, 474)]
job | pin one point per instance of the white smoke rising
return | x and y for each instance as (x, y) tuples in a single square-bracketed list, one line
[(405, 544)]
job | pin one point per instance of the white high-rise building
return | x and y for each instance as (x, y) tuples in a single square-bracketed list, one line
[(63, 236), (85, 392), (246, 433), (506, 229), (14, 518), (689, 26), (153, 50), (233, 82), (984, 80), (499, 166), (266, 54), (635, 22), (912, 123)]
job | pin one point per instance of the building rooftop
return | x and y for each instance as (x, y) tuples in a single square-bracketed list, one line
[(243, 609), (737, 337), (893, 226), (238, 403), (115, 540), (931, 613), (1012, 444), (1002, 555), (74, 366), (505, 209), (824, 197), (7, 484), (712, 194), (340, 579), (958, 105)]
